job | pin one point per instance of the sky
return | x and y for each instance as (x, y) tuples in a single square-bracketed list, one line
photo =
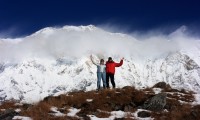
[(24, 17)]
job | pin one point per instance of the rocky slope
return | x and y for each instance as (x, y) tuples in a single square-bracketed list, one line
[(159, 102)]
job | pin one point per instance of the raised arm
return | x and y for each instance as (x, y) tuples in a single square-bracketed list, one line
[(93, 60), (119, 64)]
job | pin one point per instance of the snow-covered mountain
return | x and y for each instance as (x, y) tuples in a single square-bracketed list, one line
[(53, 61)]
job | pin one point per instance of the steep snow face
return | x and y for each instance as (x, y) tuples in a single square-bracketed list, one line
[(53, 61)]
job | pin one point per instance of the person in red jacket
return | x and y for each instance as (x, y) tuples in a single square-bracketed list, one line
[(110, 71)]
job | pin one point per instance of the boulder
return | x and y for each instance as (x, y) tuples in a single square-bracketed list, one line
[(155, 103)]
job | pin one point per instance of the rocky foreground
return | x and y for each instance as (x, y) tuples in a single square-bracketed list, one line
[(161, 102)]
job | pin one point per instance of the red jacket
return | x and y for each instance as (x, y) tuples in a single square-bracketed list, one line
[(110, 66)]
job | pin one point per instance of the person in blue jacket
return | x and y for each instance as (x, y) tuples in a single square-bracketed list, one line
[(101, 73)]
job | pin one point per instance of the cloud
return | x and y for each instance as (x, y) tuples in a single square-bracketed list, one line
[(78, 41), (10, 32)]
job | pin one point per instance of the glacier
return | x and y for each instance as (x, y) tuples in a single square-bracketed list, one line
[(53, 61)]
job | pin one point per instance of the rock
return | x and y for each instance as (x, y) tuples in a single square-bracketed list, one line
[(132, 104), (47, 99), (127, 87), (2, 67), (8, 114), (194, 113), (84, 105), (160, 85), (26, 106), (190, 64), (114, 106), (120, 119), (117, 107), (79, 105), (156, 103), (168, 107), (129, 107), (2, 97), (95, 113), (144, 114), (84, 117)]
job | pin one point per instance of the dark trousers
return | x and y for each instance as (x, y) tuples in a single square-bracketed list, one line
[(111, 76)]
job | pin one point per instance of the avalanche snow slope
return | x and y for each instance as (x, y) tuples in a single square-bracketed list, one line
[(53, 61)]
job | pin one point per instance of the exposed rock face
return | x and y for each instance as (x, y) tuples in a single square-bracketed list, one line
[(2, 67), (156, 103), (190, 64)]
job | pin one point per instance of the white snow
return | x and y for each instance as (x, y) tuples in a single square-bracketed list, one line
[(121, 114), (93, 117), (18, 110), (3, 110), (54, 61), (114, 114), (21, 118), (157, 90), (73, 112), (18, 104), (56, 112), (89, 100), (118, 114), (197, 99)]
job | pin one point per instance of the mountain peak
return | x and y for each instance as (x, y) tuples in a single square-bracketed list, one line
[(50, 30), (80, 28)]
